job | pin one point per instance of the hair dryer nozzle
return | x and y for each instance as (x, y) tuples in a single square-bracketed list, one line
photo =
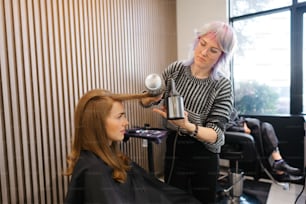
[(154, 84)]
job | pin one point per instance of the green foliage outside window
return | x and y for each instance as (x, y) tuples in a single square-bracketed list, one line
[(254, 98)]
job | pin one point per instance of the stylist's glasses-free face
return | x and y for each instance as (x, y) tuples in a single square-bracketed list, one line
[(207, 51), (116, 123)]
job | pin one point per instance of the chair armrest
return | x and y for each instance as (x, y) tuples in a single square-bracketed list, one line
[(238, 146), (238, 137)]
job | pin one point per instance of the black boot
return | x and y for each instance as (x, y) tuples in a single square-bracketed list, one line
[(285, 177), (283, 166)]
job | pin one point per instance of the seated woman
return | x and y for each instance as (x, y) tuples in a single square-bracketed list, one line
[(100, 172), (283, 172)]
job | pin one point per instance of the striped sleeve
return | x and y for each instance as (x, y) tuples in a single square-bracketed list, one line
[(207, 101)]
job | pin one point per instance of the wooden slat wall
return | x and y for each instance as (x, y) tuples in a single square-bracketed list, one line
[(51, 52)]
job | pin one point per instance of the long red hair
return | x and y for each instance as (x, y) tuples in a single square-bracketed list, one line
[(90, 134)]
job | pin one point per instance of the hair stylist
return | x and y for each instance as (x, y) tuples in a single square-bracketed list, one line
[(193, 143)]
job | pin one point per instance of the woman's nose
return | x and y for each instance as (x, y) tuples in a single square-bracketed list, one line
[(126, 122), (204, 51)]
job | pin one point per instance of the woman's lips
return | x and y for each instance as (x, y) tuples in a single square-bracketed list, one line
[(202, 59)]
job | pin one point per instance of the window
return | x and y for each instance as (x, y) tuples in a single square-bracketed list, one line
[(266, 70), (262, 64), (242, 7)]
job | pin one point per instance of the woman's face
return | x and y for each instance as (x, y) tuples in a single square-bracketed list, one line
[(207, 52), (116, 123)]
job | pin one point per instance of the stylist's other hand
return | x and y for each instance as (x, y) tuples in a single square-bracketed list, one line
[(161, 111), (182, 123)]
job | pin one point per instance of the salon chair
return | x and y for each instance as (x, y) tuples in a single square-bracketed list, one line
[(238, 147), (241, 148)]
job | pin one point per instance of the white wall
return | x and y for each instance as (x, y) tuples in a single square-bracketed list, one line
[(191, 15)]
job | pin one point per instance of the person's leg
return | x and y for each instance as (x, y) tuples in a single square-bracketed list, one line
[(255, 125), (205, 167), (195, 169), (177, 172), (270, 140), (276, 160)]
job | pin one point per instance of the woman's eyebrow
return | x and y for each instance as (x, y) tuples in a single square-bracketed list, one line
[(203, 40)]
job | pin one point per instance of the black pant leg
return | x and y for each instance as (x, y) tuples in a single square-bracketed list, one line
[(269, 137), (195, 169)]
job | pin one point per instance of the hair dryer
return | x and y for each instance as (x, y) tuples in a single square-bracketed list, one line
[(175, 103)]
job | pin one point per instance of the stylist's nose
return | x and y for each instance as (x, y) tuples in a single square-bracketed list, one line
[(204, 51)]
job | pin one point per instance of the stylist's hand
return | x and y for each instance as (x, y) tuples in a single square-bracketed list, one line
[(151, 99), (182, 123)]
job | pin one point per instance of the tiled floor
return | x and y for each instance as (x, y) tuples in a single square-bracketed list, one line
[(279, 195)]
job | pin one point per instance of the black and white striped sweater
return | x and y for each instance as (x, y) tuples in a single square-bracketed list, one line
[(207, 101)]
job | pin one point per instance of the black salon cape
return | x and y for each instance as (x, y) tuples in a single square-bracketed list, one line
[(92, 182)]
